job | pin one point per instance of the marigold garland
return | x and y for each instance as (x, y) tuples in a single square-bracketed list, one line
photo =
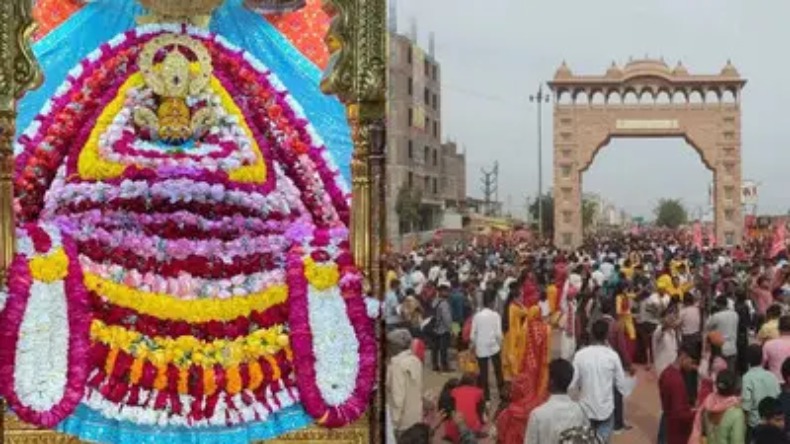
[(167, 307), (187, 350)]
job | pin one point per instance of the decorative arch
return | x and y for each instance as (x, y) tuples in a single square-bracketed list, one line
[(661, 102), (589, 160)]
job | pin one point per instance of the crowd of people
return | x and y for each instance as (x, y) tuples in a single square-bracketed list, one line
[(542, 346)]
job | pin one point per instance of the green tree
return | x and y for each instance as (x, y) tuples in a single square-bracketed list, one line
[(407, 206), (589, 209), (670, 213), (548, 214)]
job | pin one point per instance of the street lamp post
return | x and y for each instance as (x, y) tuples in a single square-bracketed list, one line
[(540, 98)]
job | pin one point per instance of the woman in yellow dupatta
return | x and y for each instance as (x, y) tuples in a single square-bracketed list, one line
[(530, 387), (624, 302), (515, 341)]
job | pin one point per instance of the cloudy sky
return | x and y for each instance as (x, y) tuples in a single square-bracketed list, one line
[(495, 53)]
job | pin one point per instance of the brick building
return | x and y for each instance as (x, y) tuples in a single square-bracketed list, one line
[(416, 156)]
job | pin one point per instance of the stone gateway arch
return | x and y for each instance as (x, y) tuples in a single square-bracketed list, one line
[(646, 98)]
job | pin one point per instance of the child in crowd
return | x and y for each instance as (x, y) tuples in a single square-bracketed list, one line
[(466, 399)]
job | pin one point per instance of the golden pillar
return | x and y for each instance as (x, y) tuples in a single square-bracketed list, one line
[(18, 74), (357, 40)]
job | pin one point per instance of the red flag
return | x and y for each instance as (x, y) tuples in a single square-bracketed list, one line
[(778, 244), (696, 236)]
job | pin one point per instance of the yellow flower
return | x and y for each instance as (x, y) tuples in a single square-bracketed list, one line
[(184, 351), (51, 268), (161, 377), (321, 277), (209, 382), (136, 371), (164, 306), (234, 380)]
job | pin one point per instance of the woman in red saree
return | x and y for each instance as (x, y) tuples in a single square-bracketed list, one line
[(529, 388)]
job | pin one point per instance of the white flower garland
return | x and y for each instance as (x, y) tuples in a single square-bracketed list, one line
[(41, 365), (335, 345)]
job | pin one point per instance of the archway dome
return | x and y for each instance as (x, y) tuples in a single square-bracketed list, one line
[(648, 79)]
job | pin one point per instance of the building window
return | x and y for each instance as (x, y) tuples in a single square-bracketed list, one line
[(566, 171), (427, 154), (566, 239), (427, 123), (411, 118), (435, 128), (426, 183), (435, 186), (435, 101), (435, 157), (566, 217), (411, 86), (427, 68), (411, 150), (729, 215), (409, 55), (411, 179), (435, 74), (426, 96), (729, 192), (729, 238)]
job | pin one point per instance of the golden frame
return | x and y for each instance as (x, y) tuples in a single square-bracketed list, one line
[(357, 76)]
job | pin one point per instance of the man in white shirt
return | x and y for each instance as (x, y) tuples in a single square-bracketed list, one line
[(486, 340), (597, 372), (559, 413), (418, 280), (434, 273)]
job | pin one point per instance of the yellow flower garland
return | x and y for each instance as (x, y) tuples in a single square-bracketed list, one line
[(164, 306), (322, 277), (185, 351), (51, 268), (255, 173), (91, 166)]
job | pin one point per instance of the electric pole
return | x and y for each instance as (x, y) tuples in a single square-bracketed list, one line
[(540, 98), (490, 182)]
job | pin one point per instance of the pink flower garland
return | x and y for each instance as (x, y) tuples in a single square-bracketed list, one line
[(19, 285)]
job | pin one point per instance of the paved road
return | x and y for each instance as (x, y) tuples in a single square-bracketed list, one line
[(643, 407)]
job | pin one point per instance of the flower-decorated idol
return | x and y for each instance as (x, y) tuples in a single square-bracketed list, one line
[(182, 267)]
